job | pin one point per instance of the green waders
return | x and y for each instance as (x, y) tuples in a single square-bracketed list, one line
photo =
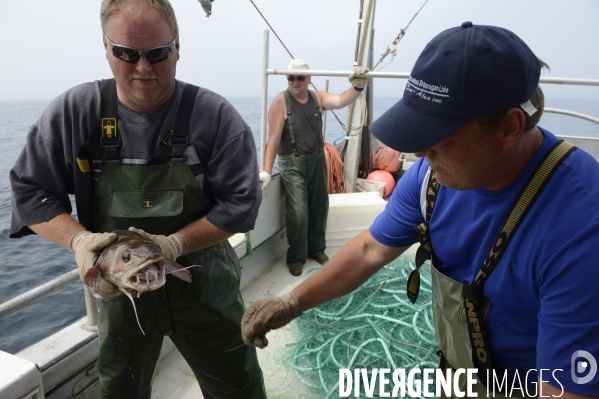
[(202, 318), (459, 309), (306, 204), (304, 178), (452, 330)]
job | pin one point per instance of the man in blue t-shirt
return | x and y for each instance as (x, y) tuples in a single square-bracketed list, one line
[(508, 214)]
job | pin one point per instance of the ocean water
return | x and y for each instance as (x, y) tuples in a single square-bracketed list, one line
[(31, 261)]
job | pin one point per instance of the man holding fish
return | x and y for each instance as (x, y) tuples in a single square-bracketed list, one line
[(139, 155)]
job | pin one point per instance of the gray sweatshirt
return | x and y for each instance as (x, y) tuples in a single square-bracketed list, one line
[(221, 154)]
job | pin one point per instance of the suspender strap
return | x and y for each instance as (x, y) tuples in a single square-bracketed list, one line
[(321, 141), (107, 134), (425, 250), (174, 143), (289, 120), (472, 292), (110, 139), (177, 139)]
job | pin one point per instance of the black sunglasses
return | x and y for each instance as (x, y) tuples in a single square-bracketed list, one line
[(299, 78), (132, 55)]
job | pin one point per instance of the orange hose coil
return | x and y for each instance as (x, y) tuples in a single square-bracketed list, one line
[(335, 179)]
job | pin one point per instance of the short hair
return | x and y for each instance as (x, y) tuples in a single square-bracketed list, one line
[(490, 123), (162, 7)]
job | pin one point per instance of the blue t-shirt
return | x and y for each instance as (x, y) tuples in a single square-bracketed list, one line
[(545, 290)]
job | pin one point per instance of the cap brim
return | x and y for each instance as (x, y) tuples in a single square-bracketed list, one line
[(407, 130)]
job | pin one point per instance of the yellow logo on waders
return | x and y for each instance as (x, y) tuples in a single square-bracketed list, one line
[(109, 128), (147, 203)]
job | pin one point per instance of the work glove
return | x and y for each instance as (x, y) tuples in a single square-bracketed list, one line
[(264, 179), (87, 247), (172, 246), (268, 314), (358, 83)]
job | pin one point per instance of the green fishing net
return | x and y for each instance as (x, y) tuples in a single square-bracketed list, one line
[(375, 326)]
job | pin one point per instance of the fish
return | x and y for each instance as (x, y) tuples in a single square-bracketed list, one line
[(132, 264)]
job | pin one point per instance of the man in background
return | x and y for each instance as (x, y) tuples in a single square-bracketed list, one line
[(295, 134)]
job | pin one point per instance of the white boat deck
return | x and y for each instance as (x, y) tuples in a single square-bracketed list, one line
[(174, 379)]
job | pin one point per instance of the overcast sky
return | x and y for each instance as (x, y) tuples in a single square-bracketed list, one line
[(49, 46)]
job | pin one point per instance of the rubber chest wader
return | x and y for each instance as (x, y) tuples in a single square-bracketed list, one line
[(306, 200), (459, 309), (202, 318)]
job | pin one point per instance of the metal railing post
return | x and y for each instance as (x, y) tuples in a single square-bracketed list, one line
[(357, 109), (263, 124), (91, 306)]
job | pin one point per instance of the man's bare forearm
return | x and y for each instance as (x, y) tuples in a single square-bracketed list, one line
[(60, 230), (337, 101), (202, 234)]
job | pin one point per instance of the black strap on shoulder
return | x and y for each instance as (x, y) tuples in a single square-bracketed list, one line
[(289, 120), (315, 100), (173, 144), (177, 139), (110, 139), (472, 292), (425, 250), (107, 136), (91, 148)]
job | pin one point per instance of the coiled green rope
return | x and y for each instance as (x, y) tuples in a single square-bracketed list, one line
[(375, 326)]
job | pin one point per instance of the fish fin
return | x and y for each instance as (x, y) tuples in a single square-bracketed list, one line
[(92, 277), (178, 271)]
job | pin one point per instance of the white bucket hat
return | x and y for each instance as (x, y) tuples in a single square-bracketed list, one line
[(298, 63)]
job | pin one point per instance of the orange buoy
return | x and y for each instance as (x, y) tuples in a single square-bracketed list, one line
[(384, 177)]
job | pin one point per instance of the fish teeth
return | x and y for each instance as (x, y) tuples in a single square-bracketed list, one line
[(148, 276)]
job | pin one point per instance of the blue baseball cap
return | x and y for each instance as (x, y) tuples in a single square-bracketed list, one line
[(462, 73)]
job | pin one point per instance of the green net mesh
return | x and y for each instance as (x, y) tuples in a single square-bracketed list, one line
[(375, 326)]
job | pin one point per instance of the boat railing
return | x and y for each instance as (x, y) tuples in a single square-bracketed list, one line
[(9, 307), (403, 75), (30, 297), (571, 113)]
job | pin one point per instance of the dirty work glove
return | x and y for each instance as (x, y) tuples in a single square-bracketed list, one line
[(358, 83), (268, 314), (264, 179), (87, 247), (172, 246)]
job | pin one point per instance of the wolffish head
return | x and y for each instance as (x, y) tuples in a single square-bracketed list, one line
[(133, 262), (145, 267)]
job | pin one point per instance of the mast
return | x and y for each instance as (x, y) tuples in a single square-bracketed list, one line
[(357, 110)]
